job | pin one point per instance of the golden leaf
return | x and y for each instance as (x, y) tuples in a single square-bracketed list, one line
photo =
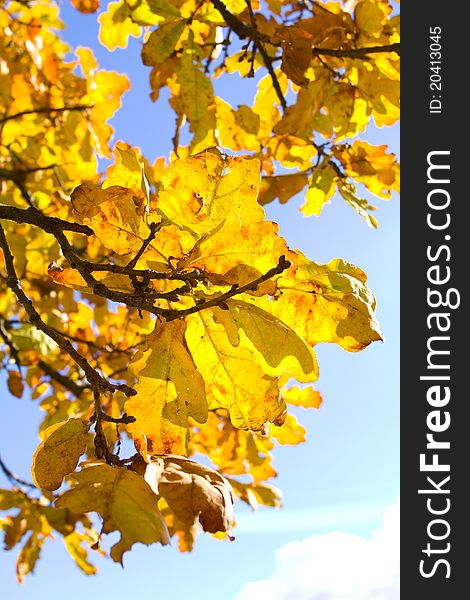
[(281, 348), (328, 303), (123, 500), (169, 390), (58, 453), (116, 26), (306, 397), (233, 378)]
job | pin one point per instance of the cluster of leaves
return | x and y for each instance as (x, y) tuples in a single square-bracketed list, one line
[(323, 71), (157, 303)]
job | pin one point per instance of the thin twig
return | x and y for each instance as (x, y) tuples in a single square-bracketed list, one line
[(94, 378), (356, 52), (44, 110), (13, 478)]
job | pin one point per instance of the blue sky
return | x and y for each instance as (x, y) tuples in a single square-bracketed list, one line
[(347, 473)]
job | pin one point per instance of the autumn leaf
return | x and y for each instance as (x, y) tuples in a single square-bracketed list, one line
[(116, 26), (169, 390), (161, 42), (123, 500), (195, 101), (282, 349), (86, 6), (58, 454), (15, 383), (251, 397), (331, 303), (223, 185), (306, 397), (192, 491)]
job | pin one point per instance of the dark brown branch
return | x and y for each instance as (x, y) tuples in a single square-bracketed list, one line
[(13, 478), (14, 352), (282, 265), (242, 30), (44, 110), (32, 216), (94, 378), (356, 52), (154, 227), (149, 274), (125, 419), (64, 381)]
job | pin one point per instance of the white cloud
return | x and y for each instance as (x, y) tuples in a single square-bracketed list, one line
[(336, 566)]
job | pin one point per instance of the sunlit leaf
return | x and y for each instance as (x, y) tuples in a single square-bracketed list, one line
[(123, 500), (58, 454)]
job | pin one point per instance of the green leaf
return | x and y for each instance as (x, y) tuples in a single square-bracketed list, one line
[(162, 42)]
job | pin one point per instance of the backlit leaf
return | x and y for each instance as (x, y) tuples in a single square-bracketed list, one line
[(329, 303), (193, 491), (169, 390), (233, 379), (58, 454), (123, 500)]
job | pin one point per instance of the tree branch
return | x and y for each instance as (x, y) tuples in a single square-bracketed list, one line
[(44, 110), (94, 378), (356, 52), (33, 216), (13, 478), (282, 265)]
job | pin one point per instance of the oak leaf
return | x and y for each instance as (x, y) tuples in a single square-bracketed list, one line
[(123, 500), (233, 378), (192, 491), (58, 454), (169, 390)]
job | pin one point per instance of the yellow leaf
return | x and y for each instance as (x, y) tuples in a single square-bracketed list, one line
[(290, 432), (282, 187), (371, 15), (71, 278), (233, 378), (195, 100), (299, 119), (222, 186), (282, 349), (128, 172), (234, 253), (321, 188), (118, 218), (116, 26), (306, 397), (372, 166), (233, 127), (169, 390), (257, 493), (124, 501), (73, 543), (328, 303), (28, 556), (57, 455), (247, 119)]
